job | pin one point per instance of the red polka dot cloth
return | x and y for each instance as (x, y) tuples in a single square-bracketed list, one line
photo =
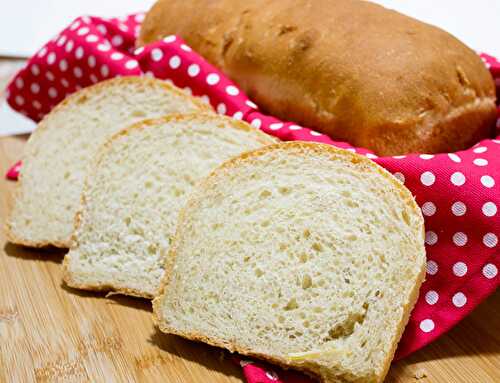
[(459, 193)]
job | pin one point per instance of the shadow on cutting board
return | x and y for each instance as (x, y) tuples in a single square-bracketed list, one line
[(48, 254), (212, 358), (111, 298)]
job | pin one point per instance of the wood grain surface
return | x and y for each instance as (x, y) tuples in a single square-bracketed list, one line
[(51, 333)]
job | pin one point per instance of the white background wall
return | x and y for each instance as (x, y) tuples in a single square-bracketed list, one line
[(26, 24)]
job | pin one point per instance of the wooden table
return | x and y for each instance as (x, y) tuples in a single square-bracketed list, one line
[(49, 332)]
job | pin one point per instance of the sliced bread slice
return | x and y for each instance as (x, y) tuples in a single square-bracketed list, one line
[(59, 151), (132, 197), (302, 254)]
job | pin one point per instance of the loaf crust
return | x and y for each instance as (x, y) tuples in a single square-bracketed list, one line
[(306, 367), (348, 68)]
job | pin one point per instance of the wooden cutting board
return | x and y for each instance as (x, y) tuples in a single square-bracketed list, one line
[(49, 332)]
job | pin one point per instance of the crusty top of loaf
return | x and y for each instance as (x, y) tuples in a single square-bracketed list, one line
[(349, 68)]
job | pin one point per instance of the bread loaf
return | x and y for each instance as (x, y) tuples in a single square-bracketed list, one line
[(348, 68), (65, 142), (140, 181), (299, 253)]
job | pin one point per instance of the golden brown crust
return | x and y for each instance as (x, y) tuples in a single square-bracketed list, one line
[(262, 138), (207, 183), (351, 69), (74, 99)]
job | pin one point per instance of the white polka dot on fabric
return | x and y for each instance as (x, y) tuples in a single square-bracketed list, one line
[(185, 48), (52, 92), (458, 208), (61, 41), (174, 62), (251, 104), (232, 90), (105, 71), (454, 157), (131, 64), (295, 127), (116, 56), (213, 78), (276, 126), (86, 19), (169, 39), (315, 133), (51, 58), (489, 209), (272, 375), (490, 240), (19, 100), (460, 269), (19, 83), (77, 71), (400, 176), (428, 209), (490, 271), (431, 297), (92, 38), (42, 52), (35, 88), (431, 238), (63, 65), (480, 149), (139, 50), (50, 76), (69, 46), (426, 156), (427, 178), (371, 156), (459, 299), (193, 70), (156, 54), (480, 162), (75, 25), (221, 108), (427, 325), (238, 115), (137, 30), (457, 179), (82, 31), (94, 78), (92, 61), (123, 27), (102, 29), (256, 122), (487, 181), (398, 157), (64, 82), (117, 40), (79, 52), (36, 104), (460, 238), (103, 47)]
